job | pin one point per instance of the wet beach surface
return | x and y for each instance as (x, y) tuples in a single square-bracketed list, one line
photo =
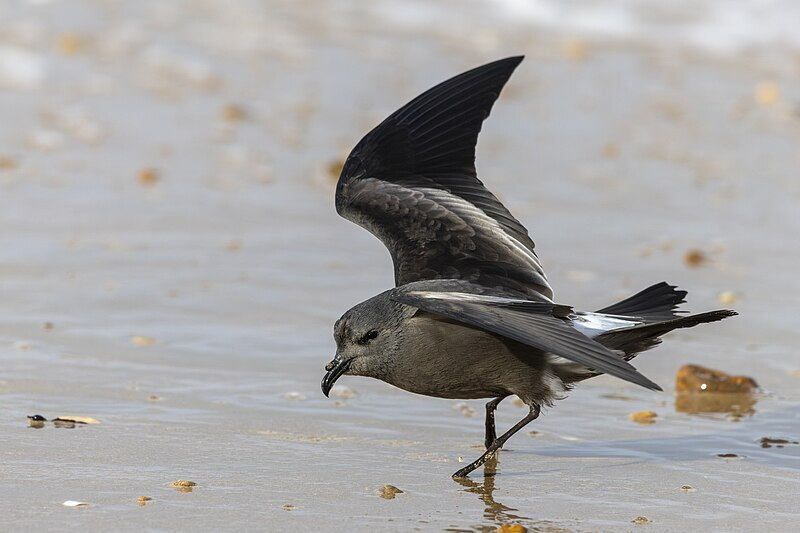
[(171, 265)]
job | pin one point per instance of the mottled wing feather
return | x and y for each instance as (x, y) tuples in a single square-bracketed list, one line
[(412, 182), (537, 324)]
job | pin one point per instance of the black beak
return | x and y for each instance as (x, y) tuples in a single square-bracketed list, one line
[(335, 369)]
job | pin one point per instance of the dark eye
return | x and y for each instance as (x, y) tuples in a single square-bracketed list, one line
[(368, 336)]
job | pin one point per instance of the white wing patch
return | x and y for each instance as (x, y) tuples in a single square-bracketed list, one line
[(593, 324)]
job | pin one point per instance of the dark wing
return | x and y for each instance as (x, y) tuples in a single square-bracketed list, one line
[(537, 324), (411, 182)]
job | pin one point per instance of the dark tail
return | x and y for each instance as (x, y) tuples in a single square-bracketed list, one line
[(654, 304), (657, 306)]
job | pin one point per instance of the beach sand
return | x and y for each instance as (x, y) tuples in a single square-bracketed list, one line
[(171, 265)]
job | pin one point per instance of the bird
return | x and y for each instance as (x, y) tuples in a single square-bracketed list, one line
[(472, 314)]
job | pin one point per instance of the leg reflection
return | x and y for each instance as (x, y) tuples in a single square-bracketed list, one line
[(494, 511)]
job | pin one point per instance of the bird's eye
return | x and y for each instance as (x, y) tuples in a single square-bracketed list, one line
[(368, 336)]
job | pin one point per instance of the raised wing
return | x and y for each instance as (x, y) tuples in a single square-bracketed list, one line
[(541, 325), (411, 182)]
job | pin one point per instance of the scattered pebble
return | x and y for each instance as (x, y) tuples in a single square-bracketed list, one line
[(144, 499), (147, 177), (705, 390), (610, 150), (641, 520), (727, 298), (66, 423), (695, 258), (343, 392), (699, 379), (388, 492), (7, 163), (78, 419), (688, 488), (643, 417), (512, 528), (767, 93), (574, 49), (141, 340), (183, 485), (70, 44), (288, 507), (464, 409), (22, 345), (154, 398), (47, 326), (769, 442), (232, 113), (727, 455), (36, 421), (73, 503), (294, 396), (534, 433)]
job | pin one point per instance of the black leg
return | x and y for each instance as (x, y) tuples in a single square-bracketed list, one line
[(491, 407), (498, 443)]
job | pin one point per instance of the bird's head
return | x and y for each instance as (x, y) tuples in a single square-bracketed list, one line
[(368, 338)]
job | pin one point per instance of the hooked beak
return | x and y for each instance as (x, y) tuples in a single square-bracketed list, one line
[(335, 369)]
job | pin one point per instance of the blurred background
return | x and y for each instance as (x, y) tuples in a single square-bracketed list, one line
[(171, 263)]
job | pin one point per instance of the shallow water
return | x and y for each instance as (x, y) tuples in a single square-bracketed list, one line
[(619, 159)]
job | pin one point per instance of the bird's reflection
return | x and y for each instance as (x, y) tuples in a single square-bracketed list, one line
[(494, 511)]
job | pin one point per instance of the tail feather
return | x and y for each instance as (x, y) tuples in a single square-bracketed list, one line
[(656, 303), (640, 338)]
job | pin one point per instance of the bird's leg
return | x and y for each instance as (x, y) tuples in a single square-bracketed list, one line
[(498, 443), (491, 407)]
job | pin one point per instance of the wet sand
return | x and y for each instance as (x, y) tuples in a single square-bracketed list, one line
[(189, 309)]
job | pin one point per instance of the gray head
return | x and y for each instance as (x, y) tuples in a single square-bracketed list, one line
[(367, 338)]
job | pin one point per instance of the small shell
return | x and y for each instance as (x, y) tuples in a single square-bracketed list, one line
[(73, 503)]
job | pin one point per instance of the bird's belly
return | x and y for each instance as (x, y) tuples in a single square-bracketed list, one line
[(459, 362)]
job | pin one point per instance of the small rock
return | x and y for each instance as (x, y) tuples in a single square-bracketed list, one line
[(688, 488), (36, 421), (78, 419), (767, 93), (147, 177), (769, 442), (512, 528), (183, 485), (141, 340), (695, 258), (7, 163), (388, 492), (641, 520), (288, 507), (727, 298), (232, 113), (643, 417), (144, 499), (727, 455)]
